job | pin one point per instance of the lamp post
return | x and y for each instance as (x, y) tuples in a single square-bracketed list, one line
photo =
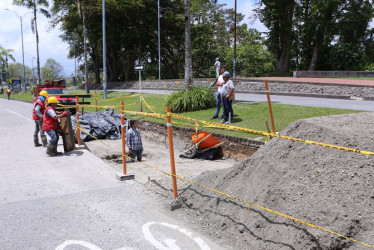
[(104, 52), (23, 54), (234, 71), (158, 39)]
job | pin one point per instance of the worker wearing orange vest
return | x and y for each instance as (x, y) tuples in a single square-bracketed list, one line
[(37, 116), (51, 125)]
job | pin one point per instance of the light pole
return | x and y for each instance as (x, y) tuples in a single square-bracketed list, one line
[(23, 54), (158, 39), (104, 52), (234, 71)]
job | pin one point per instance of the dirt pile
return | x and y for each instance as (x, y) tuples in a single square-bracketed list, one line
[(327, 187)]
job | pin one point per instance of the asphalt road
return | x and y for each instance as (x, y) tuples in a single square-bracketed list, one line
[(74, 201), (292, 100)]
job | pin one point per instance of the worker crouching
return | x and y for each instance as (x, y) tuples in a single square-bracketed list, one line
[(51, 125), (37, 116)]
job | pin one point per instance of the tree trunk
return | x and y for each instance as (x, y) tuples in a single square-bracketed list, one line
[(37, 44), (313, 61), (188, 53), (285, 36), (85, 47)]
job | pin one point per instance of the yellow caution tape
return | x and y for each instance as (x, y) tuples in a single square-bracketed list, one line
[(117, 98), (94, 106), (149, 106), (259, 132), (250, 205)]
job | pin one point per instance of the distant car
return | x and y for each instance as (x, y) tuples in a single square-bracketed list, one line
[(56, 89)]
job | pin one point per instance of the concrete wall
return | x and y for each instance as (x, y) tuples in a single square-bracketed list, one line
[(336, 74)]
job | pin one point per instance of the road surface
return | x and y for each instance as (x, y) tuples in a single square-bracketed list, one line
[(74, 201), (292, 100)]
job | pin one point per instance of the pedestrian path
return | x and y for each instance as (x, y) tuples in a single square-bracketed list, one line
[(321, 81)]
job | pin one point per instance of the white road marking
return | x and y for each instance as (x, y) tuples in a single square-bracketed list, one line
[(19, 115), (84, 244), (78, 242), (170, 243)]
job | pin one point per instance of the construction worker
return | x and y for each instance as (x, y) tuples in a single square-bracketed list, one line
[(37, 116), (51, 125)]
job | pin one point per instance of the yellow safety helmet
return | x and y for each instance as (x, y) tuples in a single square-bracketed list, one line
[(43, 93), (52, 100)]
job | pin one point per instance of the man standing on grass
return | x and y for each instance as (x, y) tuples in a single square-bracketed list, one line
[(219, 83), (134, 141)]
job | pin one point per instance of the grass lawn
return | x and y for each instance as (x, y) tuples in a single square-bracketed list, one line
[(246, 114)]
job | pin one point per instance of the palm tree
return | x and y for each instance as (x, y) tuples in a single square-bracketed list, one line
[(34, 5), (4, 55)]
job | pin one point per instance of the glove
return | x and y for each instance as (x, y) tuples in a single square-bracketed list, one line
[(64, 113)]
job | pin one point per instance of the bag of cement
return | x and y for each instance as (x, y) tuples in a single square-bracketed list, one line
[(102, 125)]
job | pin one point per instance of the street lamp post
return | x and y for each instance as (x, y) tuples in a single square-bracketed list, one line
[(104, 52), (234, 70), (158, 39), (23, 54)]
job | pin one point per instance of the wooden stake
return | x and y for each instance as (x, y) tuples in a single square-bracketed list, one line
[(269, 104), (78, 130), (171, 151), (123, 138)]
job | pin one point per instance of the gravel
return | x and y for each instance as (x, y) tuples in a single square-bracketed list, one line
[(327, 187)]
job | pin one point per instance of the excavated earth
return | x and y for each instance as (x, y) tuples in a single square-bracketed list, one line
[(327, 187)]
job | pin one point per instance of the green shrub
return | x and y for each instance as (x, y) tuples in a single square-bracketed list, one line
[(197, 98)]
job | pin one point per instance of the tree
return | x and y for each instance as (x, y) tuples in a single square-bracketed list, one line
[(35, 6), (278, 16), (52, 70), (16, 71), (4, 55), (252, 56)]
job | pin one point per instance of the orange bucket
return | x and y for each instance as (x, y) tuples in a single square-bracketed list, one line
[(207, 143)]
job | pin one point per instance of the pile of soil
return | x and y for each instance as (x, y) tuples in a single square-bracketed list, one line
[(327, 187)]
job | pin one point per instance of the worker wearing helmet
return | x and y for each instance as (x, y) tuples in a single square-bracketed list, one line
[(51, 125), (37, 116)]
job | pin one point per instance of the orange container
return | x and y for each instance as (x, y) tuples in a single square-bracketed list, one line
[(207, 143)]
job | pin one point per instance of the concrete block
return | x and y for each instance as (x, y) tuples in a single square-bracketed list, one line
[(125, 177)]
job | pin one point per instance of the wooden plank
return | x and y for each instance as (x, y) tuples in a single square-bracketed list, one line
[(68, 133)]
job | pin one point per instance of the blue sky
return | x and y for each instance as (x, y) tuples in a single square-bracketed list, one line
[(50, 45)]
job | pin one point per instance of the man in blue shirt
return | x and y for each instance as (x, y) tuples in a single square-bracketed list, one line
[(134, 141)]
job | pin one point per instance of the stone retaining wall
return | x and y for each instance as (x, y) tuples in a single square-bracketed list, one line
[(258, 87), (334, 74)]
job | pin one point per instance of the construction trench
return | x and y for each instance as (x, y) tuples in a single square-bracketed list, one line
[(329, 188)]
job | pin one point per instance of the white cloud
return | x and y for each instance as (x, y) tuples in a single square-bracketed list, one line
[(50, 44)]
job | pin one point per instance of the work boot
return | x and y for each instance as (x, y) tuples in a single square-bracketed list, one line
[(44, 140), (55, 149), (36, 141), (50, 150)]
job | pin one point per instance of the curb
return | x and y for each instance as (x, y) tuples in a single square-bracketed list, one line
[(345, 97)]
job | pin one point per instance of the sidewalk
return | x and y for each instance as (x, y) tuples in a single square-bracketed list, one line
[(320, 81)]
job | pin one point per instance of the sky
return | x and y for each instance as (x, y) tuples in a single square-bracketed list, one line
[(51, 45)]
